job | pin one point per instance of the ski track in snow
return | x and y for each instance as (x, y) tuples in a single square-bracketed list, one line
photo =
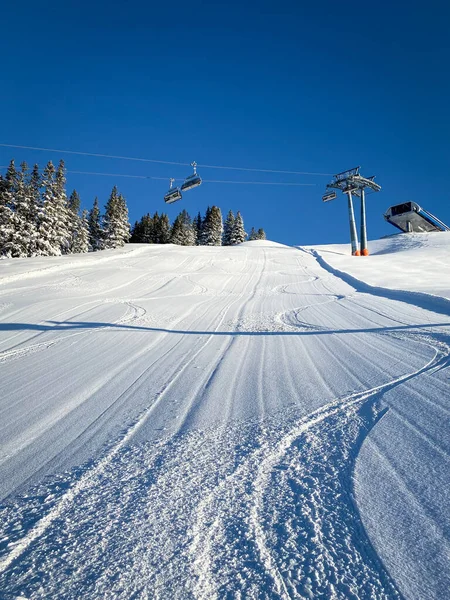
[(222, 503)]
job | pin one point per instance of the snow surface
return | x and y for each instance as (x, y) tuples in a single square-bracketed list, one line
[(255, 421), (410, 261)]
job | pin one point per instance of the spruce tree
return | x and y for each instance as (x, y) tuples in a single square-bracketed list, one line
[(162, 230), (147, 229), (35, 187), (115, 221), (197, 225), (212, 227), (12, 179), (62, 228), (252, 236), (136, 233), (96, 234), (74, 221), (6, 217), (182, 230), (261, 234), (81, 242), (125, 223), (16, 246), (228, 229), (238, 234), (24, 217), (204, 229), (52, 233)]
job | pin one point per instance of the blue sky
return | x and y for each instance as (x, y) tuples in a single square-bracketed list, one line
[(289, 86)]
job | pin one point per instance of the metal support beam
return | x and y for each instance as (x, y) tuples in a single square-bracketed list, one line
[(364, 248), (353, 233)]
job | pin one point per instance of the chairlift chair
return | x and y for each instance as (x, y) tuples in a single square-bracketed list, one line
[(173, 194), (192, 181)]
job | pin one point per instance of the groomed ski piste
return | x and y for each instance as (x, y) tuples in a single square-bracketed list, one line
[(257, 421)]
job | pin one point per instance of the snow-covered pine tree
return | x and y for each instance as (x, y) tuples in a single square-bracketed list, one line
[(17, 243), (261, 234), (81, 242), (228, 229), (205, 227), (238, 234), (252, 236), (6, 217), (74, 220), (25, 215), (125, 223), (147, 227), (49, 239), (96, 234), (74, 202), (136, 233), (182, 230), (115, 221), (8, 225), (112, 221), (162, 230), (197, 225), (212, 227), (63, 220)]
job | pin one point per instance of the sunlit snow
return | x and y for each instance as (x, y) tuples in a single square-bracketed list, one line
[(257, 421)]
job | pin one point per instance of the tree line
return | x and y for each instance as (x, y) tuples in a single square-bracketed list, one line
[(37, 218), (207, 230)]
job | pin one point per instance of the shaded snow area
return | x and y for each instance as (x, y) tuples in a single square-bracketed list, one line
[(255, 421)]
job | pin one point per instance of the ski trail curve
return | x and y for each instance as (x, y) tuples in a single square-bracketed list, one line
[(256, 527)]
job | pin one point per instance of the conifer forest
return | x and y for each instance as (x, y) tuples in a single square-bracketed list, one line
[(39, 218)]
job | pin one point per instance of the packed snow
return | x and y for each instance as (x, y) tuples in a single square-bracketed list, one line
[(252, 421)]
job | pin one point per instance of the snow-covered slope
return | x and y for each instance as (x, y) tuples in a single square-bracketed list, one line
[(418, 262), (221, 422)]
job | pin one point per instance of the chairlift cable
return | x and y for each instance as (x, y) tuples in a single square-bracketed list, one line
[(181, 179), (164, 162)]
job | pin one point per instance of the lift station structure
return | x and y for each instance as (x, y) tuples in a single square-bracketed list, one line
[(352, 183)]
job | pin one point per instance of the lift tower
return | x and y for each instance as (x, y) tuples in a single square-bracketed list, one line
[(353, 184)]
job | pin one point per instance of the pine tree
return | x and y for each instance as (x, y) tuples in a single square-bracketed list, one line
[(81, 242), (24, 216), (6, 217), (147, 228), (238, 234), (261, 234), (62, 225), (252, 236), (35, 187), (162, 230), (212, 227), (74, 221), (21, 231), (53, 234), (136, 233), (74, 202), (96, 234), (228, 229), (205, 227), (197, 225), (182, 230), (12, 179), (124, 219)]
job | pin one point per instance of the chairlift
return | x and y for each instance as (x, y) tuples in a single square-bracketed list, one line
[(329, 196), (192, 181), (173, 194)]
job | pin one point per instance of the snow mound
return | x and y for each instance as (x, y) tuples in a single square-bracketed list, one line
[(263, 244), (417, 262)]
